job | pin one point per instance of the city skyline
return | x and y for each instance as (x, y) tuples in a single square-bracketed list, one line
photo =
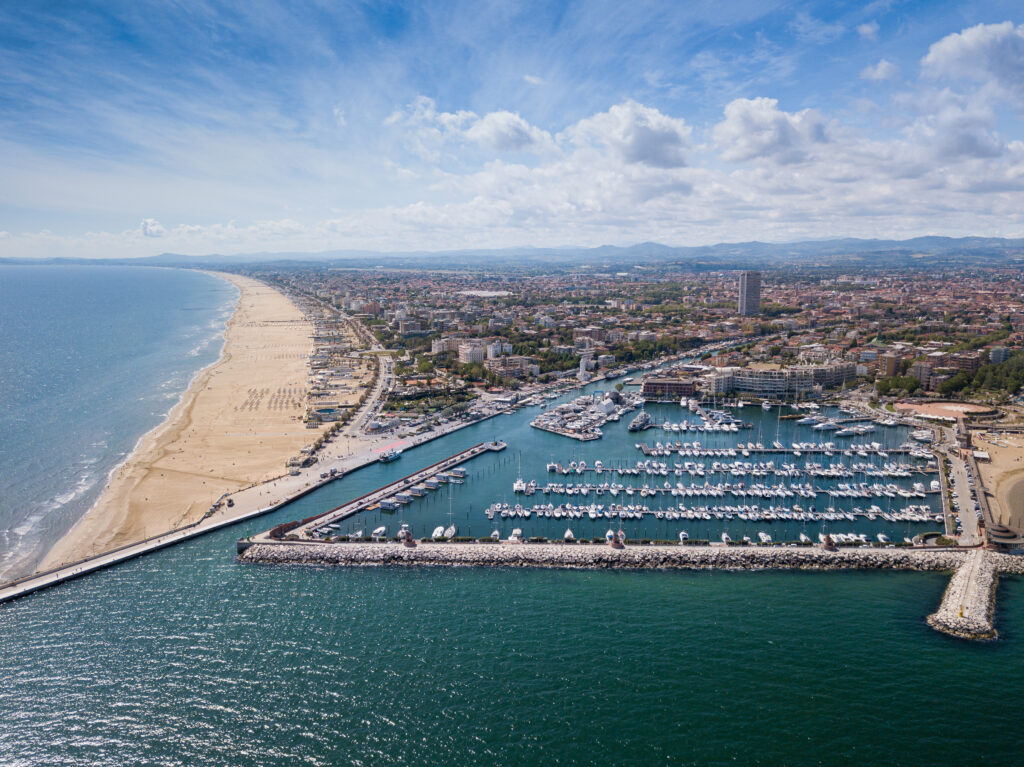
[(135, 130)]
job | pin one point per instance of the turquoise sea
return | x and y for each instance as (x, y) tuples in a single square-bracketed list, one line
[(186, 657), (91, 358)]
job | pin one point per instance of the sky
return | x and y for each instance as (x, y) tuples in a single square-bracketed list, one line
[(135, 128)]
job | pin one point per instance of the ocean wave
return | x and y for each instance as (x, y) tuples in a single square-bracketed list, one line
[(85, 482)]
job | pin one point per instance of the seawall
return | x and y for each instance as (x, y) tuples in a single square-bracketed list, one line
[(602, 557), (966, 611)]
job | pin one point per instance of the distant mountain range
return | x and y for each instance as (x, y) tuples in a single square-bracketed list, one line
[(848, 253)]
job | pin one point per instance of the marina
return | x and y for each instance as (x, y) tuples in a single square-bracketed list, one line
[(726, 486)]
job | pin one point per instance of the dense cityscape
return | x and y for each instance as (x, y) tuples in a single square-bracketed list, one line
[(562, 382)]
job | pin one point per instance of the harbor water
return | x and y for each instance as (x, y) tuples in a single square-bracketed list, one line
[(186, 656), (490, 479)]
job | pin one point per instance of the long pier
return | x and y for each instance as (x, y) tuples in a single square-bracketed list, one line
[(373, 498), (42, 580)]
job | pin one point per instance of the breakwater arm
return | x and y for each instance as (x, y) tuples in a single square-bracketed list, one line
[(966, 611), (602, 557), (969, 602)]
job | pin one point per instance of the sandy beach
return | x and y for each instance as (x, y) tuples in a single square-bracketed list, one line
[(236, 425), (1004, 475)]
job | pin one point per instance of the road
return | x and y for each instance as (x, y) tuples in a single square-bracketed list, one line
[(971, 535)]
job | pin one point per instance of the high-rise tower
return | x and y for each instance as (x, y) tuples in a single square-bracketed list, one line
[(750, 294)]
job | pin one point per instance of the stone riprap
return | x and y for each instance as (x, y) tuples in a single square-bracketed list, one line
[(969, 602), (598, 556)]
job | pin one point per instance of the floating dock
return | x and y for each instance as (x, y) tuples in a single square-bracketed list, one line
[(377, 498)]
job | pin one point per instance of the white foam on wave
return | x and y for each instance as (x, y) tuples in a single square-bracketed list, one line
[(86, 481)]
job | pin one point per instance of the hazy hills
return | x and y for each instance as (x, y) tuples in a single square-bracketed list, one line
[(919, 252)]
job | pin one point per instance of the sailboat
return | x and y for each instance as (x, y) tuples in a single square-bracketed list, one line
[(451, 530), (519, 486)]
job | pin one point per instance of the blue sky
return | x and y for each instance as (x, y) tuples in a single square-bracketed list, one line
[(135, 128)]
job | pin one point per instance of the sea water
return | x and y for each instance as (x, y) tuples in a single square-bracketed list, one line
[(186, 656), (91, 358)]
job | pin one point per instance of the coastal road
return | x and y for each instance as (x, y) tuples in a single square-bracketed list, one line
[(965, 500)]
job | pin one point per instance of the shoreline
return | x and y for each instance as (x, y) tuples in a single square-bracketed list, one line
[(119, 516)]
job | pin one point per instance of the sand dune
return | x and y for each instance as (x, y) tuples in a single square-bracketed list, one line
[(236, 425)]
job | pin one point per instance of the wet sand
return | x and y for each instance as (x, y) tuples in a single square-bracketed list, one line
[(236, 425)]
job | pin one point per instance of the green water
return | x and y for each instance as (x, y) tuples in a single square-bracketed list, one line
[(186, 657)]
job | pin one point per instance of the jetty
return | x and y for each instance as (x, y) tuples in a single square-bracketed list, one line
[(969, 602), (966, 610)]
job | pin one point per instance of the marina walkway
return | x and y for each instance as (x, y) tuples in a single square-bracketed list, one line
[(373, 499)]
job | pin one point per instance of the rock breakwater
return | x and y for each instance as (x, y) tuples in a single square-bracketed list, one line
[(602, 557), (969, 602), (966, 611)]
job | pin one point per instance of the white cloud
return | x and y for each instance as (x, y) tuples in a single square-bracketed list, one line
[(868, 30), (758, 129), (339, 117), (637, 134), (507, 132), (813, 30), (883, 70), (150, 227), (533, 80), (955, 127), (992, 54), (428, 130)]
